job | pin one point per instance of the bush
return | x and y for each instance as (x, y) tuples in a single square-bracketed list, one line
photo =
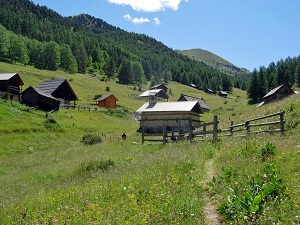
[(91, 139), (51, 124), (94, 166)]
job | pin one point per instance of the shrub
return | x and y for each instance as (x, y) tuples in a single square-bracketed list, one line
[(94, 166), (267, 151), (91, 139), (51, 124)]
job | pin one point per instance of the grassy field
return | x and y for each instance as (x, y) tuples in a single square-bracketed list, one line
[(48, 175)]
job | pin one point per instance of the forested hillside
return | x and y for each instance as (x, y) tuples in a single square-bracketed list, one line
[(35, 35), (265, 79)]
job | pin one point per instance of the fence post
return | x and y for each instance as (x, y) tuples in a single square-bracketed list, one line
[(231, 128), (215, 131), (164, 134), (282, 121), (191, 129)]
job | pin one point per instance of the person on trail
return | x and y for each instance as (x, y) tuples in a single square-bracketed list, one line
[(124, 136)]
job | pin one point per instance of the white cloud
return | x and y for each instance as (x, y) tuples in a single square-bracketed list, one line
[(149, 5), (127, 17), (140, 20), (136, 20), (156, 21)]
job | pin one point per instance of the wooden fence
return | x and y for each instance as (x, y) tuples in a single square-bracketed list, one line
[(191, 133), (262, 124)]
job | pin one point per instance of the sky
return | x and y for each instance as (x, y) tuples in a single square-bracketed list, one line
[(247, 33)]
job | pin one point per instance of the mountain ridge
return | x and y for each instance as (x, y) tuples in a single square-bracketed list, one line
[(214, 61)]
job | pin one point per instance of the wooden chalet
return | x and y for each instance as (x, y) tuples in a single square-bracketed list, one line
[(160, 86), (223, 94), (33, 97), (107, 101), (210, 91), (174, 115), (278, 93), (60, 89), (11, 83), (204, 107), (155, 94)]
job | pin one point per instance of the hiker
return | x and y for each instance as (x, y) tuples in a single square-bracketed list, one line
[(124, 136)]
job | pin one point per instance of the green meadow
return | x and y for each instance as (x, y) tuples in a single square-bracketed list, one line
[(51, 173)]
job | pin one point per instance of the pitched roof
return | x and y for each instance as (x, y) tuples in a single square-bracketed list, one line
[(49, 86), (184, 106), (44, 94), (201, 101), (105, 97), (157, 86), (273, 91), (7, 76), (154, 93)]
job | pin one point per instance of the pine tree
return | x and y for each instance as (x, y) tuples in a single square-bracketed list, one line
[(297, 72), (125, 74)]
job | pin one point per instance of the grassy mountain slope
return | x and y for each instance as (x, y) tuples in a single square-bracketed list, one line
[(212, 60), (48, 175)]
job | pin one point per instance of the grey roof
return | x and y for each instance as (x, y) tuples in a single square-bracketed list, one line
[(201, 101), (157, 86), (104, 97), (44, 94), (7, 76), (154, 93), (273, 91), (184, 106), (49, 86)]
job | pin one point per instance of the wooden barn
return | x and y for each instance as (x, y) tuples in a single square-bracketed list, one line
[(11, 83), (210, 91), (107, 101), (174, 115), (155, 94), (278, 93), (34, 97), (160, 86), (204, 107), (60, 89), (223, 94)]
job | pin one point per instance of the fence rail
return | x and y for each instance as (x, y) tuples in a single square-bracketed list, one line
[(245, 129), (179, 134)]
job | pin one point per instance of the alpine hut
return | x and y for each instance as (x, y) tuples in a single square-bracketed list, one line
[(60, 89), (154, 115), (154, 95), (107, 101), (280, 92), (204, 107), (34, 97), (11, 83)]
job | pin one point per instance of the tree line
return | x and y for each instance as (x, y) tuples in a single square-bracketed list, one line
[(265, 79), (38, 36)]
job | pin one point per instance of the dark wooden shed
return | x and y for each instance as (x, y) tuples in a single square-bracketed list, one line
[(223, 94), (155, 94), (278, 93), (11, 83), (160, 86), (107, 101), (204, 107), (34, 97), (60, 89)]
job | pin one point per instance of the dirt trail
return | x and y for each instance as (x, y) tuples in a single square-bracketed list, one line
[(209, 207)]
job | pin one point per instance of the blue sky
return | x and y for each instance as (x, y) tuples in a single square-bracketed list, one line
[(248, 33)]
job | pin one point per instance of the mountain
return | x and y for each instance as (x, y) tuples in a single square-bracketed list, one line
[(214, 61), (38, 36)]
